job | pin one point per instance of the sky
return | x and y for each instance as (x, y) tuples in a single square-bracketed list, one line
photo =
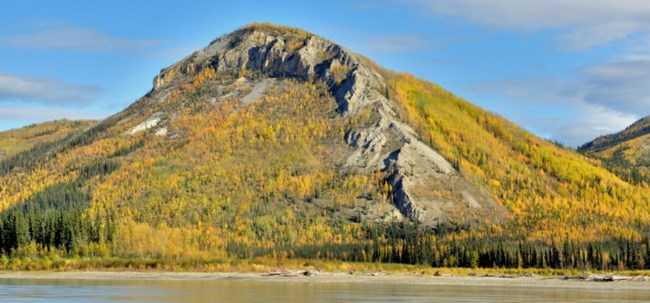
[(567, 71)]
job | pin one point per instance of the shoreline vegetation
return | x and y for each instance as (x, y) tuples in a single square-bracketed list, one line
[(302, 270)]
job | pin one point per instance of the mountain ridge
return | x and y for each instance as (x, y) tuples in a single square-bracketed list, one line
[(272, 141), (626, 153), (637, 129)]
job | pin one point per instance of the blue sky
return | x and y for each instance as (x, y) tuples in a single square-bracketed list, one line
[(565, 70)]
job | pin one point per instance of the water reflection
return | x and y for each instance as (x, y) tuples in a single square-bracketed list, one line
[(32, 291)]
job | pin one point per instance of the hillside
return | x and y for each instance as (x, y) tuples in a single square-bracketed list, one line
[(274, 142), (18, 140), (626, 153)]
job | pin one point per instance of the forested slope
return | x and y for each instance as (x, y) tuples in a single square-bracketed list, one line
[(273, 142), (626, 153), (21, 139)]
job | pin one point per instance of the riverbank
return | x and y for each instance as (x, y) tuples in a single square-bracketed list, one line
[(308, 276), (265, 265)]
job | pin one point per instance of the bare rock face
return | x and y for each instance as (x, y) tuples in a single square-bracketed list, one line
[(296, 55), (425, 186)]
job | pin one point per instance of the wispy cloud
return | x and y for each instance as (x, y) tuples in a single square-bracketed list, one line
[(398, 43), (573, 124), (597, 101), (587, 122), (586, 37), (623, 84), (581, 23), (590, 122), (535, 89), (45, 90), (41, 114), (61, 35)]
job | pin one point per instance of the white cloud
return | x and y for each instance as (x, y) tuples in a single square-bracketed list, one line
[(534, 89), (58, 35), (535, 14), (590, 122), (45, 90), (641, 45), (571, 112), (588, 36), (623, 84), (573, 123), (583, 23)]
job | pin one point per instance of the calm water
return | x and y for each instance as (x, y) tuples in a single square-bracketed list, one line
[(24, 290)]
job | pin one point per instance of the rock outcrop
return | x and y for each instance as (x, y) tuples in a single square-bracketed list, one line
[(297, 55)]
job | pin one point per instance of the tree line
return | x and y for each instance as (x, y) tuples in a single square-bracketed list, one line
[(410, 244), (71, 232)]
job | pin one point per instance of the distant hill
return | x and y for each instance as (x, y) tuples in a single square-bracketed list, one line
[(274, 142), (21, 139), (626, 153)]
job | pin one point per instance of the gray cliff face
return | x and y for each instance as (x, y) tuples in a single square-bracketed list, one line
[(425, 187), (306, 57)]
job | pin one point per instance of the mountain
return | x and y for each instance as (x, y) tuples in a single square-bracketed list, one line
[(274, 142), (626, 153)]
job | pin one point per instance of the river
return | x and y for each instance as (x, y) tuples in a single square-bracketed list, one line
[(244, 291)]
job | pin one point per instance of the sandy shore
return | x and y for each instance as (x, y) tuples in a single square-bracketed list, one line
[(358, 277)]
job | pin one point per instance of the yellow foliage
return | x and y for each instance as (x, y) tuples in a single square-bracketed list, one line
[(205, 74), (547, 188), (339, 71)]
